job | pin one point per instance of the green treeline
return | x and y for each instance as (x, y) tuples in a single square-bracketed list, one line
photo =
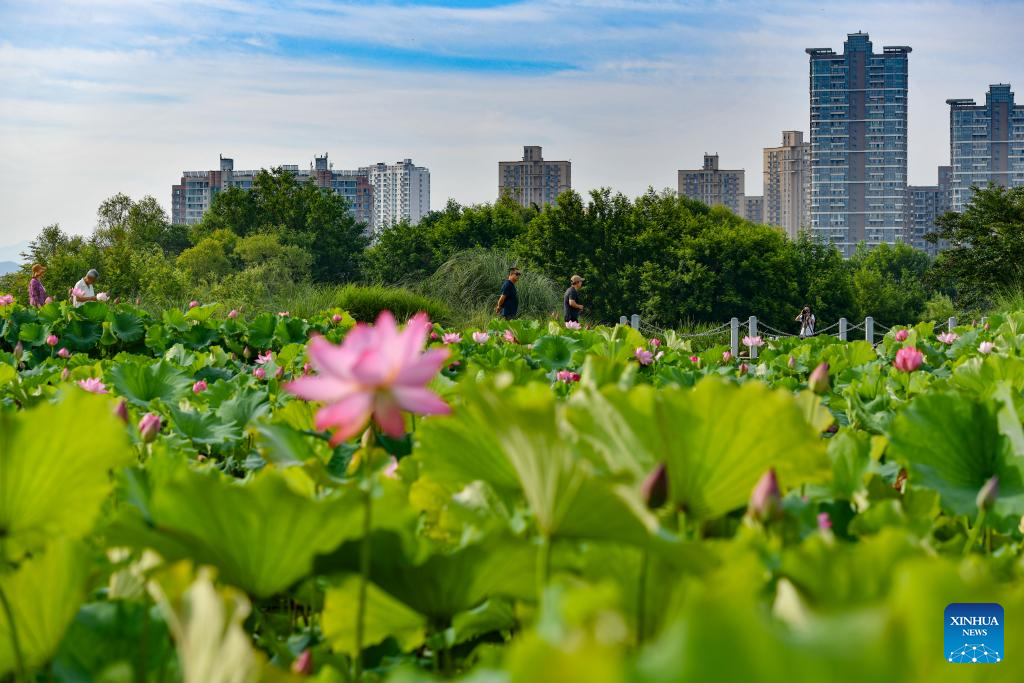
[(670, 259)]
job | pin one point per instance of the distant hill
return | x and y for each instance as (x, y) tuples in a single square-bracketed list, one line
[(8, 267)]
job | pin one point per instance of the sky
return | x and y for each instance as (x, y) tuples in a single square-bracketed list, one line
[(106, 96)]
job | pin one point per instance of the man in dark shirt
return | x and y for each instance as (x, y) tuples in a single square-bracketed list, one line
[(508, 302), (571, 305)]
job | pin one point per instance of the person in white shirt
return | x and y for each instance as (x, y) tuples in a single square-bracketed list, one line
[(806, 320), (84, 287)]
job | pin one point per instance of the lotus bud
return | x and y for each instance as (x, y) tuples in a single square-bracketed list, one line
[(233, 313), (655, 487), (246, 353), (824, 522), (726, 356), (19, 351), (818, 381), (49, 300), (200, 457), (193, 304), (433, 336), (278, 373), (64, 374), (791, 362), (901, 479), (199, 387), (64, 353), (303, 664), (766, 499), (655, 342), (901, 335), (336, 318), (52, 340), (122, 410), (695, 359), (259, 373), (744, 369), (988, 494), (149, 427)]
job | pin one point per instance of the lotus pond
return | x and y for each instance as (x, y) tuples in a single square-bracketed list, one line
[(521, 503)]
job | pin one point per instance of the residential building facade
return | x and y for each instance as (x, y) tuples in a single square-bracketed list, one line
[(534, 181), (753, 208), (858, 144), (926, 203), (401, 192), (787, 184), (195, 194), (714, 186), (986, 143)]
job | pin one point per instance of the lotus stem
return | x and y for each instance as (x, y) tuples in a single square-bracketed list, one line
[(19, 658), (543, 565), (641, 596), (369, 441), (972, 537)]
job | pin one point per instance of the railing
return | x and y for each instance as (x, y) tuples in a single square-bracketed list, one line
[(842, 327)]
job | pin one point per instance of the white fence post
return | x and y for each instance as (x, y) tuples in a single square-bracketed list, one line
[(951, 324), (842, 329), (752, 331), (734, 337), (635, 321), (869, 329), (623, 320)]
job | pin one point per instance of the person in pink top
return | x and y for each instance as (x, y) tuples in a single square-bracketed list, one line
[(36, 291)]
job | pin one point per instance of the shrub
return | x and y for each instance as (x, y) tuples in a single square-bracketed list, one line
[(365, 302)]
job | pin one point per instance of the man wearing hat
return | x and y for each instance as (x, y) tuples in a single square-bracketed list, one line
[(508, 299), (84, 288), (571, 305)]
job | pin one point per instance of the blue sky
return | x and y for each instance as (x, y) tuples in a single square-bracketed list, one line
[(101, 96)]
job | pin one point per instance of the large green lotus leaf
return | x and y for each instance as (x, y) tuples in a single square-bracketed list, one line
[(157, 339), (260, 332), (290, 331), (982, 373), (554, 352), (203, 313), (142, 383), (104, 635), (262, 535), (81, 335), (243, 406), (43, 595), (95, 311), (850, 453), (952, 444), (619, 342), (512, 440), (32, 333), (203, 427), (385, 617), (55, 461), (605, 423), (175, 319), (851, 355), (200, 336), (127, 327)]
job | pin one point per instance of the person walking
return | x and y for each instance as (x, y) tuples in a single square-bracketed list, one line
[(508, 299), (806, 320), (83, 290), (36, 291), (571, 305)]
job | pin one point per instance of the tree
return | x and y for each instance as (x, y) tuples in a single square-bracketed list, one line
[(986, 246), (888, 283)]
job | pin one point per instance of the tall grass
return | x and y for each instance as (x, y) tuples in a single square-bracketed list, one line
[(469, 282)]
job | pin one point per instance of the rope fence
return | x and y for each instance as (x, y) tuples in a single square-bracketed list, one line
[(868, 326)]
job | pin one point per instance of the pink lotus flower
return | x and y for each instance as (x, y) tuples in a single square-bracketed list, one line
[(451, 338), (102, 296), (753, 342), (264, 358), (48, 300), (481, 337), (149, 427), (78, 293), (199, 387), (655, 342), (336, 318), (391, 471), (643, 356), (233, 313), (695, 359), (572, 325), (283, 314), (985, 326), (824, 522), (377, 372), (93, 385), (433, 336), (64, 374), (6, 299), (791, 362), (567, 376), (908, 359), (901, 335), (986, 347), (744, 369), (510, 337), (766, 498), (279, 373), (64, 353), (52, 340), (947, 337), (726, 356), (303, 664), (122, 411), (193, 304), (259, 373)]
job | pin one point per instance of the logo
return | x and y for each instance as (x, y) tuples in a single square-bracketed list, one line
[(974, 633)]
